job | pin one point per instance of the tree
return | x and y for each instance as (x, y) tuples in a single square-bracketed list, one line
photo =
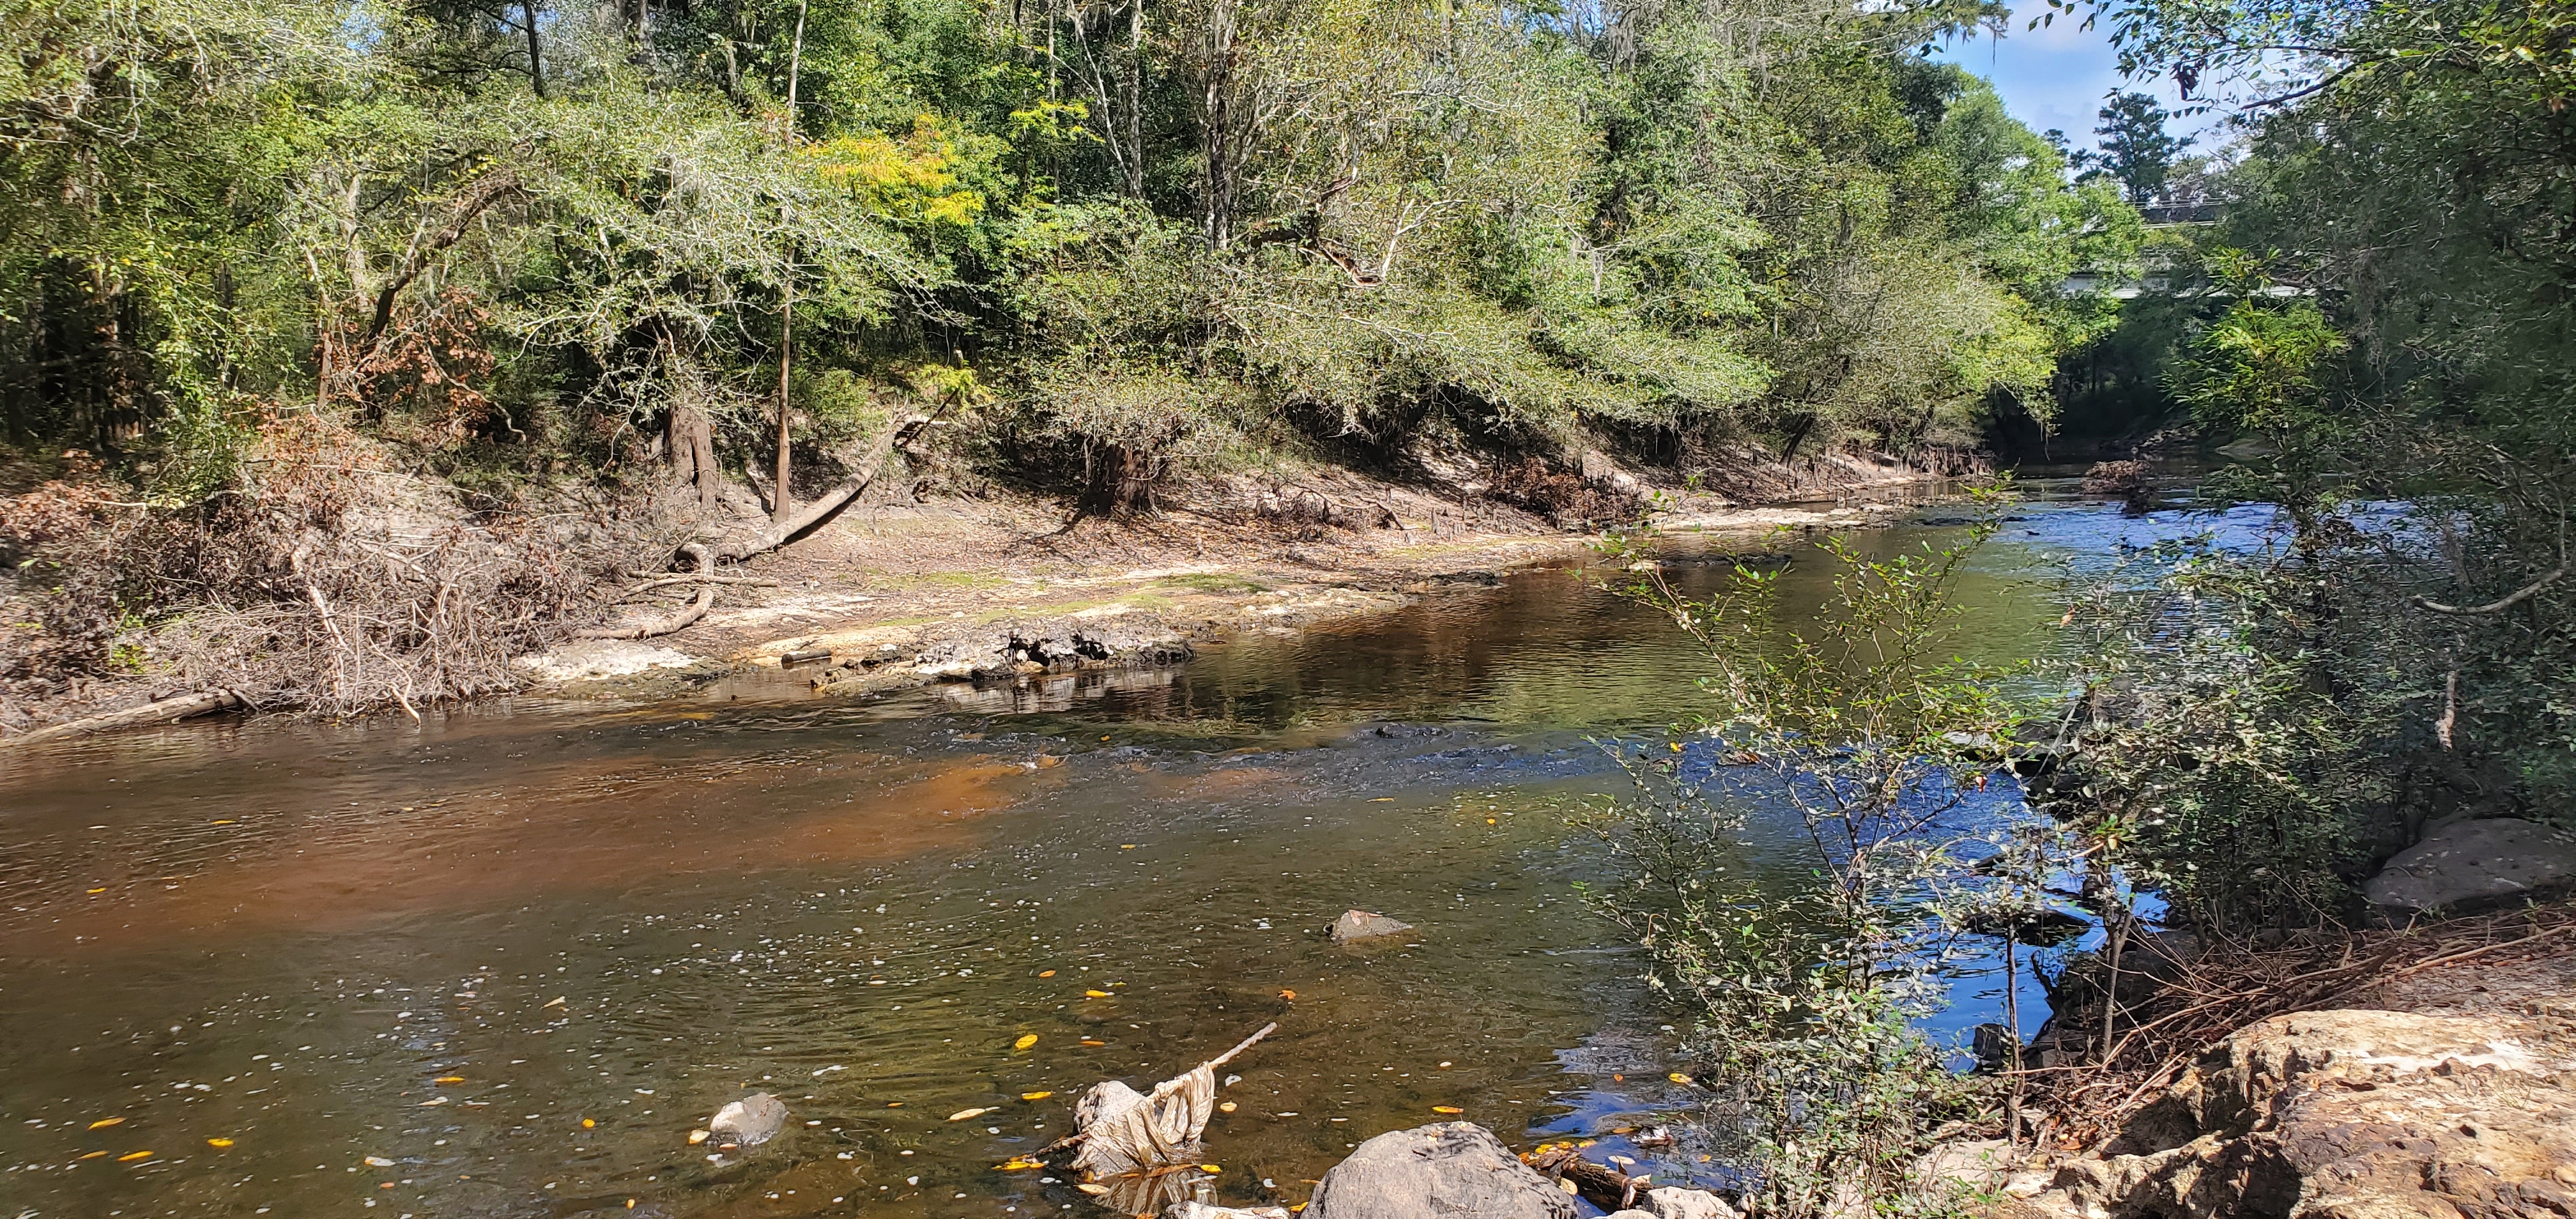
[(2136, 151)]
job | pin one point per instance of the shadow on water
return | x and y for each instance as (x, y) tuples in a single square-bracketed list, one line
[(502, 962)]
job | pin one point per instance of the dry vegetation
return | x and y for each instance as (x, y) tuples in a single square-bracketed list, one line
[(327, 580)]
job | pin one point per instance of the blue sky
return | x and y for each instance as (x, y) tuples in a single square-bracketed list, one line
[(2056, 76)]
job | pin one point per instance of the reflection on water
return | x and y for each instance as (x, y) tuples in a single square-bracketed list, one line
[(503, 962)]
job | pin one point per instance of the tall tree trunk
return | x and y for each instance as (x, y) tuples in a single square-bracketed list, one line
[(1136, 99), (782, 503), (536, 54), (1217, 126)]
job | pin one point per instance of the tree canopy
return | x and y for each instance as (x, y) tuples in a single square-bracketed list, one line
[(545, 232)]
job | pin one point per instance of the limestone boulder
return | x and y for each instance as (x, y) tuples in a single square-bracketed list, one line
[(2345, 1114), (1448, 1170), (2465, 865), (1674, 1202)]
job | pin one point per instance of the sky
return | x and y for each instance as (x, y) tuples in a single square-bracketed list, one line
[(2057, 76)]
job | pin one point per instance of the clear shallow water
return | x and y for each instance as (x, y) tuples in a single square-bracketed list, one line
[(518, 952)]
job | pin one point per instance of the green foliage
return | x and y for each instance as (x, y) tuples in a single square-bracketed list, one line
[(2136, 150), (1864, 726), (552, 229)]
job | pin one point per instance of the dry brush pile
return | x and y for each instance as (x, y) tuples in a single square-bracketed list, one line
[(323, 578)]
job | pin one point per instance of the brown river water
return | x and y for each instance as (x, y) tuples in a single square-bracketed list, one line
[(502, 962)]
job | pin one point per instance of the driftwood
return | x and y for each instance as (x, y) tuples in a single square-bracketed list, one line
[(806, 518), (1122, 1131), (651, 582), (165, 711), (1606, 1187), (677, 620)]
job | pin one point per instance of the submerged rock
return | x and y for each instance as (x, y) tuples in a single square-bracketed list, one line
[(1441, 1171), (751, 1121), (2467, 864), (1363, 925)]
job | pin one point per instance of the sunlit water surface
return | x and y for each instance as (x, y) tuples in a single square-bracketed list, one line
[(501, 963)]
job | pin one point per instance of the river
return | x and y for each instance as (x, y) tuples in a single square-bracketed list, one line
[(502, 962)]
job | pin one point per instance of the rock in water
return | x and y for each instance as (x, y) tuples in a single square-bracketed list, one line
[(751, 1121), (1201, 1210), (1671, 1202), (2468, 864), (1362, 925), (1443, 1171)]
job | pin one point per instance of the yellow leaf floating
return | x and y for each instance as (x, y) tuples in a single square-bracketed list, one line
[(449, 1079), (1090, 1041), (699, 1136), (1018, 1164), (1225, 1107), (586, 1123), (105, 1122), (963, 1114), (1210, 1168), (1095, 994), (93, 1155), (1026, 1040), (1446, 1109), (1089, 1188), (1035, 1095), (379, 1162), (131, 1156), (1679, 1078), (1046, 973), (219, 1142)]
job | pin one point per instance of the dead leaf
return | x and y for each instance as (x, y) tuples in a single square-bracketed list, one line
[(219, 1142), (1289, 995), (1446, 1109), (1026, 1040), (1088, 1187), (105, 1122), (1018, 1164), (963, 1114), (449, 1079), (131, 1156), (1035, 1095), (1095, 994), (1046, 973)]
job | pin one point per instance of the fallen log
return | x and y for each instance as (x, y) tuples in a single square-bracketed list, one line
[(165, 711), (677, 620), (1602, 1185), (823, 509)]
